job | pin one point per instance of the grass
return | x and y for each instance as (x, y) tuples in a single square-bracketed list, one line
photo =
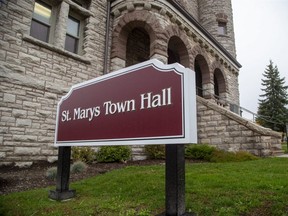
[(257, 187), (284, 147)]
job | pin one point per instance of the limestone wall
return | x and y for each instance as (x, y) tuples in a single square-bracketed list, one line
[(34, 75), (191, 6), (225, 130)]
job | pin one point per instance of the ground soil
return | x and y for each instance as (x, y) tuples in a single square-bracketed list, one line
[(13, 179)]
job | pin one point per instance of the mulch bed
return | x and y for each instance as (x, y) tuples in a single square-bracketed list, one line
[(13, 179)]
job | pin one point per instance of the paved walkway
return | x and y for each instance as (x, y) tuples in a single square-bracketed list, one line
[(284, 155)]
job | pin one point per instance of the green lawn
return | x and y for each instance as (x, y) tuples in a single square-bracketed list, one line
[(257, 187), (284, 147)]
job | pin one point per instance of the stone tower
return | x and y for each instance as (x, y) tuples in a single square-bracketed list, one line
[(217, 18)]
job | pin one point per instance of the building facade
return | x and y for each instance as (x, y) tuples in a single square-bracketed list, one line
[(48, 46)]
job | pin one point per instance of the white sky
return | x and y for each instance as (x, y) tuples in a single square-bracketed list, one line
[(261, 34)]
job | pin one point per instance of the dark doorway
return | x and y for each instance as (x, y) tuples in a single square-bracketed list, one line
[(138, 47)]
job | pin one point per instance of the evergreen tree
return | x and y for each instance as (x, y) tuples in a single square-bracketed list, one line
[(272, 110)]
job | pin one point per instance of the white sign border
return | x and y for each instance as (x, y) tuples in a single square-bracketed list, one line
[(189, 116)]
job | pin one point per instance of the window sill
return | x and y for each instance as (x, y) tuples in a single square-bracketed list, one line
[(51, 47), (223, 35), (79, 9)]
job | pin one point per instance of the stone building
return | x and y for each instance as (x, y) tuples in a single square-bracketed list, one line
[(48, 46)]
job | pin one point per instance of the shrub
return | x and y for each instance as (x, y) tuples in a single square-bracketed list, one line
[(245, 156), (78, 167), (212, 154), (199, 152), (84, 154), (113, 154), (51, 173), (221, 156), (155, 151)]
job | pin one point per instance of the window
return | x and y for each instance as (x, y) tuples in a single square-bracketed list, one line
[(59, 25), (222, 28), (72, 35), (40, 26)]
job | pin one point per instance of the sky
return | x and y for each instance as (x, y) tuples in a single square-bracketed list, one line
[(261, 34)]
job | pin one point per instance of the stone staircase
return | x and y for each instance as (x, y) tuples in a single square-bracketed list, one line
[(219, 127)]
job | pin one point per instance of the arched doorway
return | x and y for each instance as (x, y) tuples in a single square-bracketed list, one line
[(137, 46), (219, 84), (199, 89), (202, 76), (177, 52)]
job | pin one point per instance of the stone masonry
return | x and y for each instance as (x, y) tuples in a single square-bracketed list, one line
[(34, 74), (226, 130)]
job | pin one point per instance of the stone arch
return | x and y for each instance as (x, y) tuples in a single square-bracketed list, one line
[(178, 44), (145, 21), (219, 80), (219, 83), (177, 51), (204, 81), (201, 69), (138, 46)]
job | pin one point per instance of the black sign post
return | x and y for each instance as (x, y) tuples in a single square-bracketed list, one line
[(62, 191), (175, 181)]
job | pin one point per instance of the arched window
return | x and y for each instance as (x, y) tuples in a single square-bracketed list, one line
[(216, 87), (219, 84), (177, 52), (137, 47), (202, 75), (198, 77)]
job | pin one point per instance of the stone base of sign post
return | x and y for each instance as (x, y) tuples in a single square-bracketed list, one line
[(175, 181), (62, 191)]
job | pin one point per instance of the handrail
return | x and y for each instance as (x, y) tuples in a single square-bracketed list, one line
[(223, 102)]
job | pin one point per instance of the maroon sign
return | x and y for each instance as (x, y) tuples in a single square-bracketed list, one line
[(142, 104)]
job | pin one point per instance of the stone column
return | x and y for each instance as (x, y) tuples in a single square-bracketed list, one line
[(117, 63), (159, 57), (208, 90), (61, 25)]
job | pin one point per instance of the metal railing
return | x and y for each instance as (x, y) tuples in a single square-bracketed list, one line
[(243, 112)]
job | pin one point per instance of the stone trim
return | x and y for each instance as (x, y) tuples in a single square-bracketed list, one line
[(174, 31), (221, 17), (121, 8), (51, 47), (142, 19), (79, 9)]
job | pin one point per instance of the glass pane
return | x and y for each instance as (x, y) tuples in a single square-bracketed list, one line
[(73, 27), (39, 31), (42, 13), (222, 29), (71, 44)]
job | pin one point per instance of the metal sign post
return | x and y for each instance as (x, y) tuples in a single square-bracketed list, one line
[(175, 180), (62, 191)]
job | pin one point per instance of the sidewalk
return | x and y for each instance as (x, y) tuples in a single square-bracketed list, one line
[(284, 155)]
